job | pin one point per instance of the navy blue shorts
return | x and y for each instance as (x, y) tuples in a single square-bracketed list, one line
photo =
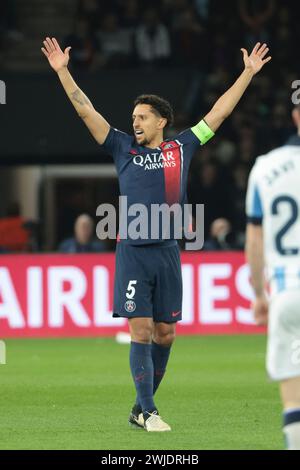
[(148, 282)]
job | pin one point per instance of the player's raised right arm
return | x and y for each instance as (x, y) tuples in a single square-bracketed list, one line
[(59, 60), (228, 101)]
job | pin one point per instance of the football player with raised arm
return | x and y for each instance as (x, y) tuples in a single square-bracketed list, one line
[(151, 170)]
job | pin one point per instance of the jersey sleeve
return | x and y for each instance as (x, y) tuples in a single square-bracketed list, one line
[(254, 207), (191, 139), (116, 142)]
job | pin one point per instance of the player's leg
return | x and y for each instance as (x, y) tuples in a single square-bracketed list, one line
[(283, 359), (163, 338), (167, 302), (166, 309), (141, 363), (133, 300), (290, 395)]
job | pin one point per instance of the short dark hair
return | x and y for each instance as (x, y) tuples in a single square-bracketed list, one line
[(159, 105)]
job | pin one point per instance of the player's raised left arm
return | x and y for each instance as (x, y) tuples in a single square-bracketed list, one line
[(226, 104), (255, 258)]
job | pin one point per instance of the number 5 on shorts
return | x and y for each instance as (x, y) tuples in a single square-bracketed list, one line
[(130, 290)]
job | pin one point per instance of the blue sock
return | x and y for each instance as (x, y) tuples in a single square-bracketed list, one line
[(291, 428), (141, 366), (160, 357)]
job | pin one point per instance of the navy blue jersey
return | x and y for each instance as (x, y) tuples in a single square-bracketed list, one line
[(152, 176)]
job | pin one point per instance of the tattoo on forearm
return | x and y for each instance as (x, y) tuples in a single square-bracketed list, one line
[(80, 98)]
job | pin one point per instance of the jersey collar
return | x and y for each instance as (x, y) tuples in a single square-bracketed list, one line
[(294, 140)]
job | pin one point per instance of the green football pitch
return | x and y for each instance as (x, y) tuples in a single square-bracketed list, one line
[(77, 394)]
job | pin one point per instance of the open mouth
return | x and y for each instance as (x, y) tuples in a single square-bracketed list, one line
[(138, 133)]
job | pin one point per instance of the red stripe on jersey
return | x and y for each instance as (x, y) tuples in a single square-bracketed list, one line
[(172, 172)]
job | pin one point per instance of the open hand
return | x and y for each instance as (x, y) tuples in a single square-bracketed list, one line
[(56, 57), (256, 60)]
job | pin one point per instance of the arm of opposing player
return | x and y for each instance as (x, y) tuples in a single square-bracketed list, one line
[(96, 124), (254, 234), (255, 257), (255, 247)]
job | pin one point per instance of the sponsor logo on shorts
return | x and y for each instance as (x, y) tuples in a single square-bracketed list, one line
[(130, 306), (175, 314)]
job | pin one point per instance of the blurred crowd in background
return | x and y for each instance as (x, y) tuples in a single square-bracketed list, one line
[(204, 37)]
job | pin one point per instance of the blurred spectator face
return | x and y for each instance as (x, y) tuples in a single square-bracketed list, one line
[(220, 40), (151, 18), (131, 7), (247, 144), (110, 23), (202, 8), (247, 150), (146, 124), (81, 28), (284, 15), (237, 119), (240, 175), (220, 228), (189, 22), (84, 227), (181, 120), (208, 174), (264, 87), (90, 5), (225, 151), (284, 34), (180, 4), (187, 17), (205, 154), (280, 118), (246, 133)]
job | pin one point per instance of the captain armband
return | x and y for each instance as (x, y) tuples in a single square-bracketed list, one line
[(202, 132)]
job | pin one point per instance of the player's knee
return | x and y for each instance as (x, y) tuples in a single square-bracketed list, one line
[(144, 337), (141, 330), (164, 338), (169, 340)]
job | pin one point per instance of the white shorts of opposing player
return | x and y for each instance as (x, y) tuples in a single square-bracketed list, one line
[(283, 351)]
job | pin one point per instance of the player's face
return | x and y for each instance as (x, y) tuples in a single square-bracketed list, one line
[(146, 124)]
